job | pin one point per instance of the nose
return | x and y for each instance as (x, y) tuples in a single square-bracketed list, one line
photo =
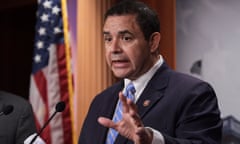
[(115, 46)]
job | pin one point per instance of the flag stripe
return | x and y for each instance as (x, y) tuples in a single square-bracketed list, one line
[(54, 95), (41, 81), (65, 95)]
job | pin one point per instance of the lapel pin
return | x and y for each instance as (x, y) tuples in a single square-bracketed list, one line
[(146, 103)]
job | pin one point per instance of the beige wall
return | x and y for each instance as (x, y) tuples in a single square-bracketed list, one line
[(92, 72)]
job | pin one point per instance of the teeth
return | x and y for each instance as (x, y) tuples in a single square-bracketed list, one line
[(117, 57), (118, 60)]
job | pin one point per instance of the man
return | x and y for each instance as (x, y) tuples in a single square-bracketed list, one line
[(17, 124), (168, 107)]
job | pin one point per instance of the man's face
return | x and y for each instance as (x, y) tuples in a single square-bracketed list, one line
[(127, 52)]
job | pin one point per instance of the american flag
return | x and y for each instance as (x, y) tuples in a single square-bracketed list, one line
[(50, 81)]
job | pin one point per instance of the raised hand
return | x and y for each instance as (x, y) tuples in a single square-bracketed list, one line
[(131, 125)]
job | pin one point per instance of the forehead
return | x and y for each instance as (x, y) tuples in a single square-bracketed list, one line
[(121, 23)]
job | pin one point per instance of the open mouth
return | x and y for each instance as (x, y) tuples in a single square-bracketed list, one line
[(120, 63)]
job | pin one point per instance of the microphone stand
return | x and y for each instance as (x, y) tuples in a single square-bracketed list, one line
[(59, 108)]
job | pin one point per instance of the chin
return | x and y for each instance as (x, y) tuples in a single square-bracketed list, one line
[(119, 75)]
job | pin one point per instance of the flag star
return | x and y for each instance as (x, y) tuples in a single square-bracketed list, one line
[(55, 10), (47, 4), (44, 17), (42, 31), (37, 58), (39, 44), (57, 30)]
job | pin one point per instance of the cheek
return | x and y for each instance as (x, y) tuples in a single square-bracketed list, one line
[(135, 59), (107, 57), (139, 58)]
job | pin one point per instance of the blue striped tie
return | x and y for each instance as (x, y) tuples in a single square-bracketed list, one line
[(129, 93)]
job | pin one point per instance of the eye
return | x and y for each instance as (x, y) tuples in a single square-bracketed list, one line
[(107, 39), (127, 38)]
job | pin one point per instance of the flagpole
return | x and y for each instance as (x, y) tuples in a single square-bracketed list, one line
[(68, 64)]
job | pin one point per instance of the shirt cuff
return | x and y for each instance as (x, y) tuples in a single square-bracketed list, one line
[(157, 136)]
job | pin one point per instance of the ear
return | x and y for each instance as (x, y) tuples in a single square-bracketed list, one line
[(154, 41)]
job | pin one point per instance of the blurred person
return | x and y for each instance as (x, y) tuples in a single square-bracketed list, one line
[(17, 125)]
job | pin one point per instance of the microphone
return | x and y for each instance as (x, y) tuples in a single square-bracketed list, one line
[(59, 108), (6, 110)]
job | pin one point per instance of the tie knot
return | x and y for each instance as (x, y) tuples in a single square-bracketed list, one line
[(130, 91), (131, 88)]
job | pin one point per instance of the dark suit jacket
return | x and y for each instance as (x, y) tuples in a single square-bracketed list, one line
[(184, 109), (18, 125)]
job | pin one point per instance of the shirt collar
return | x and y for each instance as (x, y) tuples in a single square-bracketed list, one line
[(141, 82)]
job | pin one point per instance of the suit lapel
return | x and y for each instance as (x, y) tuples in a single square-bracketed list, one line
[(154, 91), (145, 104)]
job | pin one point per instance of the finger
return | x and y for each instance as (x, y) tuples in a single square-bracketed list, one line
[(136, 120), (123, 99), (133, 109), (132, 106), (106, 122), (145, 135), (134, 114)]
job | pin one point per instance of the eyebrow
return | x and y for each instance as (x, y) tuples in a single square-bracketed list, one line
[(106, 33), (121, 32), (125, 32)]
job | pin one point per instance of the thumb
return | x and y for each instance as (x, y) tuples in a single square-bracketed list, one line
[(106, 122)]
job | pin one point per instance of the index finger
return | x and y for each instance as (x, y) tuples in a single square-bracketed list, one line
[(106, 122), (123, 100)]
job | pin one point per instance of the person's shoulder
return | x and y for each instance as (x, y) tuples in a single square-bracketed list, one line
[(176, 76), (113, 88), (186, 77), (188, 80), (11, 98)]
